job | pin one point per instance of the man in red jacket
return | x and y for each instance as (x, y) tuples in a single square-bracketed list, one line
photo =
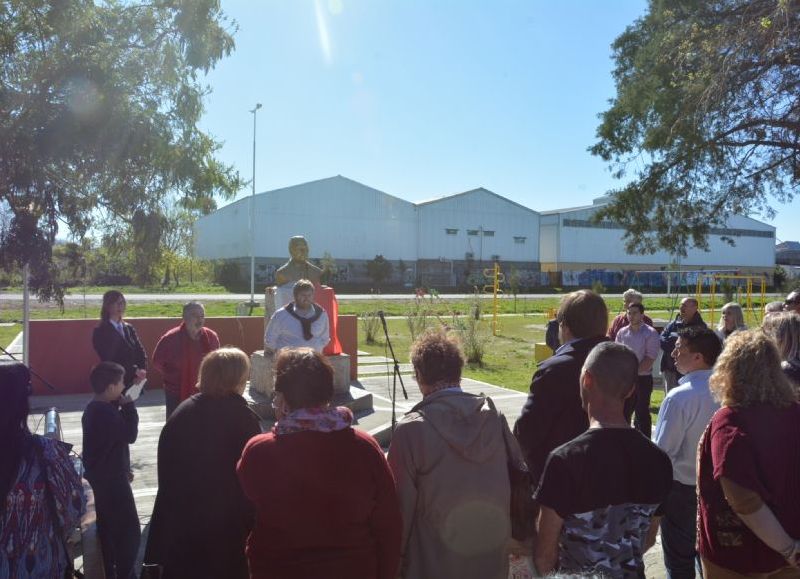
[(179, 352)]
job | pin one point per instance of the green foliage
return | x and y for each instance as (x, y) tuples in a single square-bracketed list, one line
[(329, 268), (727, 289), (98, 124), (598, 287), (417, 318), (379, 269), (473, 340), (706, 117), (229, 275), (371, 324), (779, 278)]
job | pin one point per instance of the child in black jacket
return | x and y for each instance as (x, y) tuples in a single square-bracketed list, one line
[(110, 424)]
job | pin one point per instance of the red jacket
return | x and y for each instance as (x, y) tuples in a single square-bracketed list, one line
[(325, 506), (168, 357)]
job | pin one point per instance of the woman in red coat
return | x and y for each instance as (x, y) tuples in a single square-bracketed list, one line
[(324, 496)]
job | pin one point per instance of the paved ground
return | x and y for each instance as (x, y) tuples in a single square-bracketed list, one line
[(375, 378)]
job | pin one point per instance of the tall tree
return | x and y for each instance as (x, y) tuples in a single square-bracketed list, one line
[(99, 103), (706, 118)]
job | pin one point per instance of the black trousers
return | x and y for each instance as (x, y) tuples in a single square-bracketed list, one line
[(638, 405), (117, 526)]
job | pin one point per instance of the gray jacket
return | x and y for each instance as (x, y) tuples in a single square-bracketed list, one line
[(449, 462)]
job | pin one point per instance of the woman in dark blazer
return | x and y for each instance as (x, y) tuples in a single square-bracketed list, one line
[(115, 340)]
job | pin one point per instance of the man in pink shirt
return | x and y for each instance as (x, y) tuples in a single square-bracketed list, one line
[(179, 352), (645, 343)]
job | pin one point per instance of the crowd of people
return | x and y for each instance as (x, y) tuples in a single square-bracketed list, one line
[(317, 497)]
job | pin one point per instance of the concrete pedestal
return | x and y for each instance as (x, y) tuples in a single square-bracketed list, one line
[(341, 373), (262, 375), (262, 385)]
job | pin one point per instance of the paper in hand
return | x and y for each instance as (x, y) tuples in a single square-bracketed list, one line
[(136, 390)]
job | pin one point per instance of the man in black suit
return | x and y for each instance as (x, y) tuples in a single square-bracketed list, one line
[(553, 413)]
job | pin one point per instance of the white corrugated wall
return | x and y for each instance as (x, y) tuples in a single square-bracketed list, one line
[(498, 227)]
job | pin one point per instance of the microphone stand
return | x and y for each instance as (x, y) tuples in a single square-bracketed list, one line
[(396, 373)]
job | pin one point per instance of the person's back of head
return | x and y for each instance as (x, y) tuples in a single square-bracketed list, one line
[(773, 307), (614, 369), (748, 372), (105, 374), (15, 388), (223, 372), (304, 378), (784, 328), (584, 313), (437, 361), (703, 341)]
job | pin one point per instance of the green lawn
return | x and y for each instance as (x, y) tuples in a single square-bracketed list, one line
[(508, 359)]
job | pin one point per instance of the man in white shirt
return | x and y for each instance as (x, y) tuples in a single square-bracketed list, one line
[(684, 415), (301, 323)]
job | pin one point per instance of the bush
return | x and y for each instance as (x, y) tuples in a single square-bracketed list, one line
[(228, 274), (372, 324), (473, 341), (417, 319), (598, 287)]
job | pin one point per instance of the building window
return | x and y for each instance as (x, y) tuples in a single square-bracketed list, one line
[(449, 231), (495, 257), (722, 231), (472, 232), (487, 233), (519, 239)]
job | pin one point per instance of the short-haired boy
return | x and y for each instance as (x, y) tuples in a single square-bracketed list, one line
[(110, 424)]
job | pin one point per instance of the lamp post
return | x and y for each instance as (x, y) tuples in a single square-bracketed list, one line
[(253, 216)]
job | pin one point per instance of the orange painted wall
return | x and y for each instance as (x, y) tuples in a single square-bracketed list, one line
[(62, 353)]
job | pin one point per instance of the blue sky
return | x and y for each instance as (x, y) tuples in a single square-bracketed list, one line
[(424, 98)]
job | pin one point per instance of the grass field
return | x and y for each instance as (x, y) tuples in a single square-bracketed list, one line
[(508, 359)]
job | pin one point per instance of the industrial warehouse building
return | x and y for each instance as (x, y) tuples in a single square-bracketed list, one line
[(447, 242)]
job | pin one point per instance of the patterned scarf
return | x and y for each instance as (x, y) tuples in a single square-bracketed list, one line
[(321, 419), (306, 322)]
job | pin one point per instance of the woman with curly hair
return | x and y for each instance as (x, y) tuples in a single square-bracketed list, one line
[(784, 328), (749, 465)]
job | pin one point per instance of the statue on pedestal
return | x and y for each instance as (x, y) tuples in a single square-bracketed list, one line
[(312, 313), (298, 267)]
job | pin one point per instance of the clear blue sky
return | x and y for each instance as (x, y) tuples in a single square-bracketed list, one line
[(424, 98)]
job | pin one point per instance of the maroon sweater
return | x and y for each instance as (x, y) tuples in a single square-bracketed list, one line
[(168, 356), (325, 506)]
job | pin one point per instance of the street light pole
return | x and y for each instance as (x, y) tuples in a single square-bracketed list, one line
[(253, 216)]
